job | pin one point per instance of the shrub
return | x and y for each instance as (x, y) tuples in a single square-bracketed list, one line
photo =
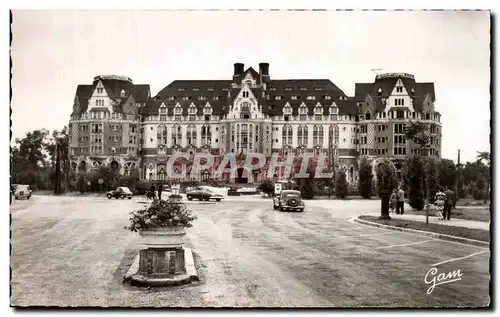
[(266, 186), (81, 184), (341, 188), (365, 179), (142, 187), (307, 188), (161, 214), (415, 178), (478, 188)]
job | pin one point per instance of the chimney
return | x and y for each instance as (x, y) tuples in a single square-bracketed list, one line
[(238, 69), (264, 72)]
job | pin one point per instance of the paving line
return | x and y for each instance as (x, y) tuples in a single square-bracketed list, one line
[(403, 245), (365, 235), (461, 258)]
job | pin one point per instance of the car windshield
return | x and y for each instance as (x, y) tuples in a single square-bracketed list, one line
[(22, 187)]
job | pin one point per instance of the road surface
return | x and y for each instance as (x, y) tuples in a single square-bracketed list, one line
[(69, 251)]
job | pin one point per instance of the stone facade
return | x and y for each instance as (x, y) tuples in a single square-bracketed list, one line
[(116, 121)]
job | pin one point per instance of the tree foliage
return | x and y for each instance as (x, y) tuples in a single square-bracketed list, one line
[(341, 186), (365, 183), (266, 186)]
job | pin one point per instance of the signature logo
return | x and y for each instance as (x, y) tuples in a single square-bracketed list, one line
[(434, 279)]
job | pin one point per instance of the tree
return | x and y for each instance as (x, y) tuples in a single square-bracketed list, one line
[(341, 187), (478, 188), (414, 176), (365, 179), (447, 173), (386, 183), (485, 157), (432, 174)]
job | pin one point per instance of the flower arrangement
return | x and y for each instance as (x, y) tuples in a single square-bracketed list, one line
[(161, 214)]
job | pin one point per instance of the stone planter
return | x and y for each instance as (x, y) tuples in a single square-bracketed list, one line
[(162, 237), (161, 258)]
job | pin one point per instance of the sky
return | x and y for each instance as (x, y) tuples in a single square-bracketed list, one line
[(54, 51)]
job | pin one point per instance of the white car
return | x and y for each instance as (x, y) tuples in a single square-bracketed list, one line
[(22, 191)]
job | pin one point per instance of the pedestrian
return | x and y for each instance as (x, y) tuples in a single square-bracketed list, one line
[(449, 202), (153, 191), (160, 189), (400, 207), (439, 202), (394, 201)]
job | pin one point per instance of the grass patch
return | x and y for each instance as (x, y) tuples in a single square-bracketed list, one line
[(476, 214), (468, 233)]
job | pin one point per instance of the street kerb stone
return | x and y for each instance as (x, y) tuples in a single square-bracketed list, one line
[(191, 273), (424, 233)]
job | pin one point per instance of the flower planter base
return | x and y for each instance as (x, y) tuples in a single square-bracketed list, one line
[(162, 268)]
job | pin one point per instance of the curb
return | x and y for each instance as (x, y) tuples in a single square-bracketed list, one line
[(425, 233)]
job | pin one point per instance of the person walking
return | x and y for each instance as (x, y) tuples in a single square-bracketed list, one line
[(153, 191), (394, 201), (448, 203), (439, 202), (400, 208), (160, 189)]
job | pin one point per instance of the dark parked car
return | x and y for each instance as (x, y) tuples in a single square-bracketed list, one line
[(288, 200), (120, 192), (203, 195)]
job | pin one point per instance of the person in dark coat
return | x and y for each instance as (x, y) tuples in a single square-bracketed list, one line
[(448, 203), (153, 191), (160, 189)]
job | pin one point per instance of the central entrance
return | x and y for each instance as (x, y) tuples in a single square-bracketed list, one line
[(241, 176)]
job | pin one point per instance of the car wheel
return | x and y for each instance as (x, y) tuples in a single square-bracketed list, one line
[(207, 199), (129, 197), (109, 196), (116, 197), (29, 197), (302, 210), (122, 196), (16, 197), (274, 207), (190, 198), (218, 199)]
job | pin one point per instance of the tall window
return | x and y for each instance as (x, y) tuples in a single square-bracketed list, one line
[(303, 113), (162, 134), (206, 135), (176, 135), (318, 135), (333, 133), (163, 114), (178, 113), (302, 135), (191, 134), (287, 135)]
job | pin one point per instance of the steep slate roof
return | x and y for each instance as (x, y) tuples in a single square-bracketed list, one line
[(284, 88), (113, 88), (417, 91)]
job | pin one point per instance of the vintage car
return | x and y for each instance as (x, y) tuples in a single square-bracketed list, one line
[(203, 194), (120, 192), (288, 200), (22, 191)]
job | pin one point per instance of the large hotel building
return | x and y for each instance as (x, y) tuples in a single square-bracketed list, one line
[(119, 124)]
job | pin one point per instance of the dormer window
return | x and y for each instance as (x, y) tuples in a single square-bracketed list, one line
[(286, 89), (181, 89), (171, 98), (311, 98), (210, 89), (303, 109), (399, 89), (196, 89), (216, 97), (328, 97), (318, 110), (192, 110), (277, 98), (185, 98), (318, 89), (303, 88), (99, 90), (294, 98), (287, 110), (202, 98), (178, 110), (248, 83), (379, 92)]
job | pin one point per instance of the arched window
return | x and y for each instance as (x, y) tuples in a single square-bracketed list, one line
[(176, 135), (162, 134), (287, 135), (318, 135), (368, 115), (191, 135), (302, 135), (333, 134), (162, 174)]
